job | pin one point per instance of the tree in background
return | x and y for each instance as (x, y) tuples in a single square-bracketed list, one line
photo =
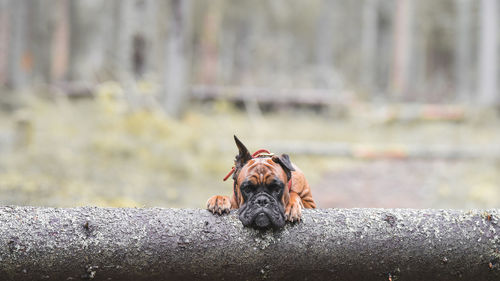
[(463, 50), (176, 58), (405, 50), (488, 53)]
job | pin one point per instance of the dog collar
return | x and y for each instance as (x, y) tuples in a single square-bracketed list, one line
[(257, 154)]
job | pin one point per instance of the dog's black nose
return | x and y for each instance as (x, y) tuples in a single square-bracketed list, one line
[(262, 201)]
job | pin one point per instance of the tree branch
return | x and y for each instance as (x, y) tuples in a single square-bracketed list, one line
[(172, 244)]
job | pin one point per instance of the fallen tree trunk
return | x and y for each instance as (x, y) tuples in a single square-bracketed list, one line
[(173, 244), (386, 151)]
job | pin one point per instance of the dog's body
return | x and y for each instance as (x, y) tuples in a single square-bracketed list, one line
[(268, 190)]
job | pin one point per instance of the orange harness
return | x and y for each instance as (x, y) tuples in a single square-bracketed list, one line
[(256, 154)]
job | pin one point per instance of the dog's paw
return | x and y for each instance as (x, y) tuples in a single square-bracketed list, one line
[(293, 211), (219, 204)]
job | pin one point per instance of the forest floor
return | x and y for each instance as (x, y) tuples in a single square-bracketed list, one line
[(103, 152)]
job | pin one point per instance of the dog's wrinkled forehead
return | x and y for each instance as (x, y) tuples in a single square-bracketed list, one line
[(261, 171)]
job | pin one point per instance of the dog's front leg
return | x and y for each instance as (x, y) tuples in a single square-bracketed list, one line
[(293, 210)]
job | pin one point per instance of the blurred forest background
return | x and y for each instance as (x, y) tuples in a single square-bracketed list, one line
[(382, 103)]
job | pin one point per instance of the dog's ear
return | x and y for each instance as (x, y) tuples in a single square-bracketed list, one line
[(243, 155), (285, 163)]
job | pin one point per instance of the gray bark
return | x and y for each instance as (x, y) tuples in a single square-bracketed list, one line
[(488, 53), (369, 43), (464, 50), (314, 97), (324, 35), (339, 149), (4, 23), (324, 47), (177, 63), (60, 45), (153, 45), (44, 18), (176, 244), (119, 51), (16, 73), (403, 36), (87, 40)]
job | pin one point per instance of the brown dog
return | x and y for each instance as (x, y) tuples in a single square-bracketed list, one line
[(268, 190)]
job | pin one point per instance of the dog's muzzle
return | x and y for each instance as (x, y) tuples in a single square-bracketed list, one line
[(262, 211)]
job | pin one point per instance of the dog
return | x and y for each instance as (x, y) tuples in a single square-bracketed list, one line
[(268, 190)]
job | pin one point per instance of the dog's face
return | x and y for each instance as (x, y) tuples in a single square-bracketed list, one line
[(261, 188)]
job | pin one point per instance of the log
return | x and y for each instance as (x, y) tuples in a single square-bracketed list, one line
[(311, 97), (370, 151), (185, 244)]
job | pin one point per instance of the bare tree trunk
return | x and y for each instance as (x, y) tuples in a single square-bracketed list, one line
[(146, 56), (86, 40), (60, 47), (42, 39), (402, 47), (4, 25), (17, 62), (324, 43), (176, 79), (463, 50), (369, 44), (488, 53), (76, 41), (385, 51), (208, 51), (119, 52)]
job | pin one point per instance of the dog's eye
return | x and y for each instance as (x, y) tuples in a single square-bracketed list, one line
[(246, 188), (275, 187)]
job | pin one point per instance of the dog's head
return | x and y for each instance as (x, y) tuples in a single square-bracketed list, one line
[(260, 187)]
